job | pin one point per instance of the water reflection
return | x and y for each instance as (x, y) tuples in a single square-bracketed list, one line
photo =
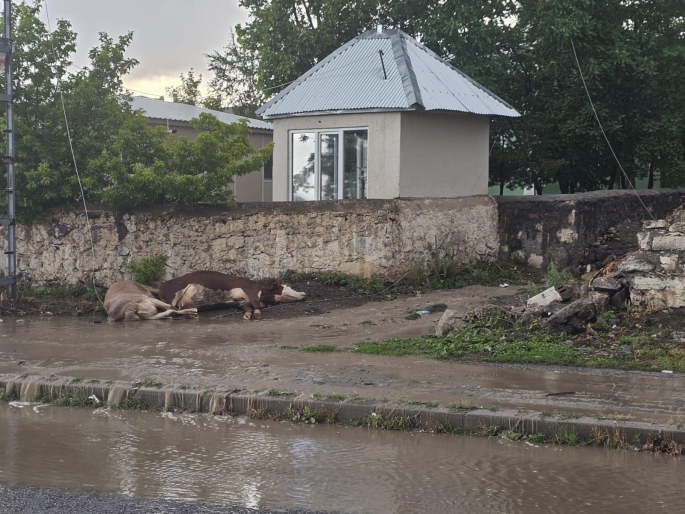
[(279, 465)]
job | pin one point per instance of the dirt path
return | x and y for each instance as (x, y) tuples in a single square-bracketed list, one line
[(225, 353)]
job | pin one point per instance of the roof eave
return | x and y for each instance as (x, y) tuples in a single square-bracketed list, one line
[(340, 111)]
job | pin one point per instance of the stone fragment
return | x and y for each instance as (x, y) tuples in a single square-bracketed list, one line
[(669, 262), (610, 258), (644, 239), (678, 226), (545, 298), (619, 300), (564, 291), (553, 308), (607, 285), (531, 314), (599, 300), (651, 224), (636, 263), (448, 322), (678, 336), (675, 242), (574, 317)]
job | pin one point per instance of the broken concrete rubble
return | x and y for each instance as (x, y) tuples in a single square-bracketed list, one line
[(647, 280), (448, 322)]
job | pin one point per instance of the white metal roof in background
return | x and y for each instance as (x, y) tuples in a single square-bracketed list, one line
[(155, 108), (352, 79)]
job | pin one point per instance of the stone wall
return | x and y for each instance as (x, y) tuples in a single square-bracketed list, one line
[(656, 272), (260, 240), (355, 236), (582, 229)]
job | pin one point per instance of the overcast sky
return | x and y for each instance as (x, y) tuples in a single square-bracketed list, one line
[(170, 36)]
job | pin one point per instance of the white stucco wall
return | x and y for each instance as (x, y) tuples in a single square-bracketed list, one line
[(443, 155), (383, 151)]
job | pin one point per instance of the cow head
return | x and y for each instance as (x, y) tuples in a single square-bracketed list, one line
[(281, 294), (184, 297)]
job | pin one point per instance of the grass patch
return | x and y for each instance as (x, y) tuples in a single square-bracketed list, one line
[(444, 272), (324, 327), (134, 403), (4, 397), (428, 405), (283, 394), (319, 348), (334, 397), (556, 277), (462, 407), (152, 384), (494, 336), (568, 437), (58, 300), (148, 270)]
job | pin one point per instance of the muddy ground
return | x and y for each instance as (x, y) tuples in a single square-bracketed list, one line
[(321, 299)]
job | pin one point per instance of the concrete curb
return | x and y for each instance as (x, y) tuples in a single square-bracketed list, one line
[(28, 388)]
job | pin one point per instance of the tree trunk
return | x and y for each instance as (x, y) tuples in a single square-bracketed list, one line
[(650, 182), (612, 178), (501, 188)]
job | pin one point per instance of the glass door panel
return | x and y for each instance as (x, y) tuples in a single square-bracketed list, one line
[(304, 171), (329, 157), (356, 143)]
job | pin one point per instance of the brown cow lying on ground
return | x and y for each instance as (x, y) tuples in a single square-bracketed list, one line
[(211, 289), (130, 301)]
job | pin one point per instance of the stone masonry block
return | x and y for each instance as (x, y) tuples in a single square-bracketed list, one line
[(644, 239), (674, 242), (651, 225)]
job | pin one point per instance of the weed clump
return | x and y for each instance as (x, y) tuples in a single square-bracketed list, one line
[(445, 272), (277, 393), (134, 403), (555, 277), (148, 270), (319, 348)]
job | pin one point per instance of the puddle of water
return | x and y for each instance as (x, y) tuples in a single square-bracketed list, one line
[(280, 465)]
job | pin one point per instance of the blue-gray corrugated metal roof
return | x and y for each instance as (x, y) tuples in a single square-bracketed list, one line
[(154, 108), (352, 79)]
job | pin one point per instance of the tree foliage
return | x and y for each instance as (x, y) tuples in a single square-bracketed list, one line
[(632, 54), (236, 77), (114, 148)]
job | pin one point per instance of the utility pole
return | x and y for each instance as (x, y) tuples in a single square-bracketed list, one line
[(6, 47)]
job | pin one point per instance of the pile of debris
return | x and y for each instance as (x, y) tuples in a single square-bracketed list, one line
[(643, 281), (646, 280)]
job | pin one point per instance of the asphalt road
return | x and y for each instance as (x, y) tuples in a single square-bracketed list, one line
[(15, 500)]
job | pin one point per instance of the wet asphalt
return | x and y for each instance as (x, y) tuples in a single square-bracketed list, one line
[(24, 500)]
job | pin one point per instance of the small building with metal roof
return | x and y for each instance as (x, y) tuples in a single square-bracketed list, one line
[(382, 117), (176, 118)]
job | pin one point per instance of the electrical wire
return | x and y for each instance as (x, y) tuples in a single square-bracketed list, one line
[(73, 156), (604, 133)]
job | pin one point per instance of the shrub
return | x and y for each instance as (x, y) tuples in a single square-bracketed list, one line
[(148, 271)]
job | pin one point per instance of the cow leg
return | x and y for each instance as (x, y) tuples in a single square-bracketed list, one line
[(186, 313), (159, 304), (248, 311), (254, 303)]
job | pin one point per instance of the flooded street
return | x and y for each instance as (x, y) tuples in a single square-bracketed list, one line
[(236, 461)]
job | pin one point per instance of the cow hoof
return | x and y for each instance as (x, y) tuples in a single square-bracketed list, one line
[(248, 316), (257, 315)]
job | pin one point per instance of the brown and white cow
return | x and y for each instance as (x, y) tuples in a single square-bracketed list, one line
[(207, 289), (131, 301)]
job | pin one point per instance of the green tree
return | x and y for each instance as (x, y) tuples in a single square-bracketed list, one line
[(120, 159), (290, 36), (236, 76), (144, 168)]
